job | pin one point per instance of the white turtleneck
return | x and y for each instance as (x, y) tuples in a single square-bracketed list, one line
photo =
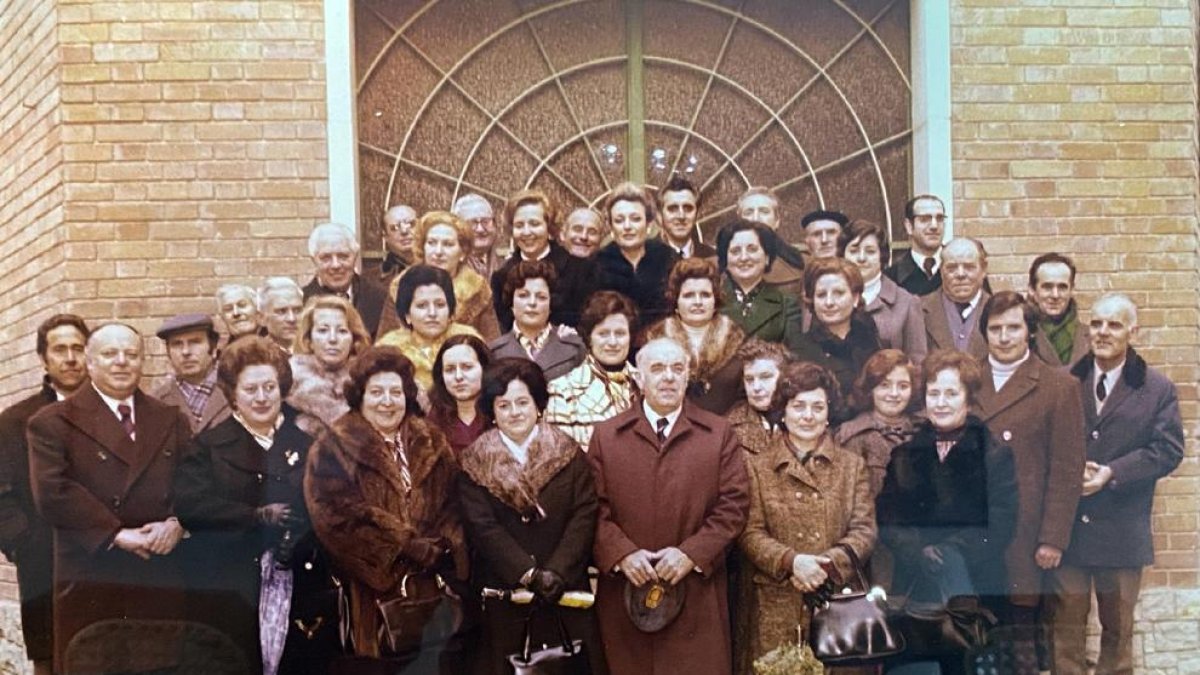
[(1002, 371)]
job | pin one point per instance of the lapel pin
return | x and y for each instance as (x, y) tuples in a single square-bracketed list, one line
[(292, 457)]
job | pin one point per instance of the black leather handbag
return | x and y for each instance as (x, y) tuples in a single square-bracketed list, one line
[(849, 629), (566, 658), (404, 619)]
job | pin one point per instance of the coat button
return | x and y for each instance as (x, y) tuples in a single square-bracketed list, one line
[(1085, 519), (1007, 435), (259, 477), (1095, 434), (102, 455), (116, 502)]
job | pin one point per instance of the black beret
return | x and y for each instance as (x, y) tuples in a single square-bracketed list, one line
[(836, 216)]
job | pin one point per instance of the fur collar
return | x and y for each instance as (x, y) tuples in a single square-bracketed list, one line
[(657, 256), (472, 295), (361, 447), (317, 391), (489, 463), (1134, 373), (721, 341)]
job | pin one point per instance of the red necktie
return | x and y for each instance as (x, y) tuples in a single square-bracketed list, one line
[(126, 414)]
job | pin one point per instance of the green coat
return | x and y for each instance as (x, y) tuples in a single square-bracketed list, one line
[(773, 316)]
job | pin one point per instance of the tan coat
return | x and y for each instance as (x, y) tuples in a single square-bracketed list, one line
[(747, 424), (800, 509), (216, 409)]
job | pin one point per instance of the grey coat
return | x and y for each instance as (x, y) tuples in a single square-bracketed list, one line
[(559, 357), (897, 314)]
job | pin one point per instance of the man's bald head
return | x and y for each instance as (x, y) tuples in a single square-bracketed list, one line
[(114, 359)]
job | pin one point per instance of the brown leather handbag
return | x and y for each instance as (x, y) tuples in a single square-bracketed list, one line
[(403, 618), (849, 629)]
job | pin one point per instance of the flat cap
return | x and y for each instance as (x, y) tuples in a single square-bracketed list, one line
[(836, 216), (185, 322)]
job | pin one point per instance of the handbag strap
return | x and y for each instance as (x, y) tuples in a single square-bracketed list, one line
[(854, 562)]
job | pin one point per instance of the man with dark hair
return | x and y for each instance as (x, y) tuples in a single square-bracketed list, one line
[(919, 272), (679, 204), (1061, 335), (192, 348), (952, 311), (101, 464), (821, 231), (25, 538), (1034, 409)]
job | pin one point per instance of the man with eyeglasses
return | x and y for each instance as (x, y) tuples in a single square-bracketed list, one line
[(397, 237), (477, 211), (920, 272)]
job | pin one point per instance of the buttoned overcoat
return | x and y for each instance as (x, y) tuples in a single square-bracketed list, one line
[(692, 493)]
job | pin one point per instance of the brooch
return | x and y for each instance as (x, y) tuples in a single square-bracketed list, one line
[(292, 457)]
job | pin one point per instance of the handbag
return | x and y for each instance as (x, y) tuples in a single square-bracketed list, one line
[(566, 658), (403, 618), (854, 628), (937, 629)]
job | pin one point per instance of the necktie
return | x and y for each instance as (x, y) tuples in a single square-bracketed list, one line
[(927, 265), (661, 430), (126, 414), (962, 308), (1101, 391)]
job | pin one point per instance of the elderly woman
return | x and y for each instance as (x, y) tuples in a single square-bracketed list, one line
[(443, 240), (712, 339), (457, 383), (841, 337), (527, 293), (239, 491), (897, 313), (947, 508), (802, 483), (533, 222), (884, 392), (529, 508), (238, 307), (633, 264), (329, 335), (380, 486), (745, 252), (602, 385), (752, 421), (425, 301)]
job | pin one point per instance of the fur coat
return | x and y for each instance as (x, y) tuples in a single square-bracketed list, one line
[(422, 353), (472, 305), (317, 392), (365, 519), (715, 380)]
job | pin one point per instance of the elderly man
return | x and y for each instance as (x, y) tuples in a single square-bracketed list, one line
[(919, 272), (679, 204), (1034, 409), (1062, 336), (673, 495), (1134, 437), (334, 252), (582, 232), (280, 302), (477, 211), (238, 309), (821, 231), (101, 464), (398, 223), (760, 205), (25, 538), (192, 386), (952, 313)]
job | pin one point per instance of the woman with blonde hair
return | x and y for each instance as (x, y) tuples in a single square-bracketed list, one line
[(329, 335)]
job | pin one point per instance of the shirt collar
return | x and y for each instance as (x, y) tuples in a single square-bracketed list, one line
[(112, 403), (920, 259), (520, 451), (871, 289), (543, 256), (653, 417)]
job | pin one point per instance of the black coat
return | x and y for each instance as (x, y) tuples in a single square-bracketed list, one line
[(369, 298), (969, 502), (1139, 435), (907, 275), (25, 539), (842, 357), (576, 276), (223, 477), (646, 286)]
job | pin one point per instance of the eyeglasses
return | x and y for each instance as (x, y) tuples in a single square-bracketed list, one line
[(480, 222), (402, 226)]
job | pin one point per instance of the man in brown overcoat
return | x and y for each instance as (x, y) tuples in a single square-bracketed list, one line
[(101, 463), (1034, 408), (669, 510)]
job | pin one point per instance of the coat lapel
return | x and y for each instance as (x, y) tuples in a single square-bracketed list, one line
[(936, 324), (154, 423), (92, 416), (1115, 398), (1021, 384)]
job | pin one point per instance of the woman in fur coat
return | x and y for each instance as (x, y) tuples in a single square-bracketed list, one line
[(329, 335), (712, 339), (529, 509), (380, 489)]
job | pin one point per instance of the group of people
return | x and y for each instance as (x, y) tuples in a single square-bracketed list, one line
[(426, 467)]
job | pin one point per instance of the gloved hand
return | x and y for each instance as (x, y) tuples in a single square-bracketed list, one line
[(547, 585), (425, 552), (279, 515)]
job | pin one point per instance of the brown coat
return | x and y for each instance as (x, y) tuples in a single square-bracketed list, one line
[(801, 509), (747, 424), (216, 408), (692, 494), (90, 480), (715, 381), (937, 326), (1038, 413), (864, 436), (364, 519)]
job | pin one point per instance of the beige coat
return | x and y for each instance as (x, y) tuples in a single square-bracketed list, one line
[(800, 509)]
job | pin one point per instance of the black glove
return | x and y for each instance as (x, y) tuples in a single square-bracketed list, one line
[(424, 552), (547, 585), (285, 549), (279, 515)]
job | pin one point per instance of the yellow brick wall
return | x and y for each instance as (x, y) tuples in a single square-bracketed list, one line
[(1075, 129)]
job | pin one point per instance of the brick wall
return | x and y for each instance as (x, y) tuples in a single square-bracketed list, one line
[(1075, 129)]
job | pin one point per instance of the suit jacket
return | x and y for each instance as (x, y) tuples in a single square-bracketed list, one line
[(1080, 346), (1039, 415), (568, 294), (25, 538), (216, 409), (897, 314), (937, 326), (90, 480), (560, 355), (691, 493), (1139, 435), (369, 298), (904, 271)]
